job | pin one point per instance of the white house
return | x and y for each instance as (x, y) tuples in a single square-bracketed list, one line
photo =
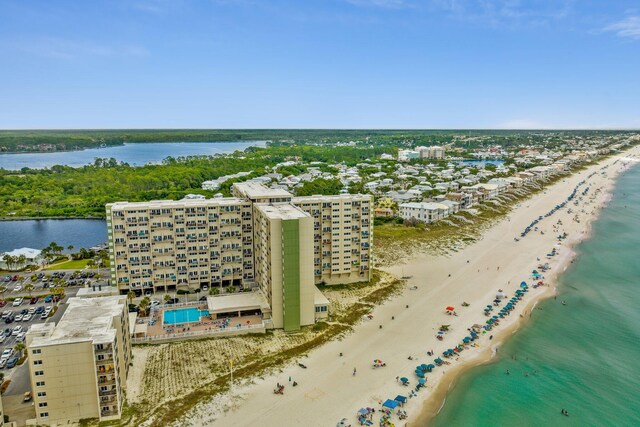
[(424, 212), (32, 257)]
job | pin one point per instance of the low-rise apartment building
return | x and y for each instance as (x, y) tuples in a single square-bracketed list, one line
[(78, 368)]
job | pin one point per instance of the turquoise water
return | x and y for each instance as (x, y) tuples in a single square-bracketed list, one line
[(183, 315), (583, 357)]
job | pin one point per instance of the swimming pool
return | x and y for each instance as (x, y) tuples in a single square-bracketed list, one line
[(183, 315)]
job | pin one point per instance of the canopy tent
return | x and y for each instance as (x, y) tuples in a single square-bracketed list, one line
[(391, 404), (400, 398), (450, 308)]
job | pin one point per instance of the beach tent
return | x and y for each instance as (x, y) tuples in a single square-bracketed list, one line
[(501, 295), (391, 404), (450, 308), (401, 399), (363, 411)]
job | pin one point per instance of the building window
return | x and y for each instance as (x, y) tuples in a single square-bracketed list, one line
[(36, 351), (44, 414), (42, 393), (40, 384), (37, 362), (42, 404), (39, 373)]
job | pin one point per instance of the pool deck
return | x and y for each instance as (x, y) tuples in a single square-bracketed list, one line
[(206, 324)]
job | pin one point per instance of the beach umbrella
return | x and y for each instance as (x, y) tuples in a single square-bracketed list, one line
[(363, 411), (438, 360), (501, 295), (523, 284), (423, 367), (449, 308), (430, 366), (400, 398), (422, 381), (420, 374), (466, 339), (404, 379)]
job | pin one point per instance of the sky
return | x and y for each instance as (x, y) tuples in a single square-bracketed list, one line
[(391, 64)]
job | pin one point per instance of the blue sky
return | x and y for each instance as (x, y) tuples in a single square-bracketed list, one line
[(320, 64)]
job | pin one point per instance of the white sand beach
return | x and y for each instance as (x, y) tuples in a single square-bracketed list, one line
[(327, 390)]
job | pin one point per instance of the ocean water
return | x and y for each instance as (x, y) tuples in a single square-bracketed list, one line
[(38, 233), (583, 356)]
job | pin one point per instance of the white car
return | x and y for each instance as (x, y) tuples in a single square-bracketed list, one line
[(18, 318), (6, 353), (17, 302), (47, 310), (27, 317), (2, 338), (18, 288), (32, 310), (155, 303), (6, 313), (16, 330), (44, 316), (20, 336)]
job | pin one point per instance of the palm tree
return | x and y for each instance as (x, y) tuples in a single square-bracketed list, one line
[(19, 347), (130, 296), (29, 288), (8, 259), (144, 305), (167, 297), (21, 261)]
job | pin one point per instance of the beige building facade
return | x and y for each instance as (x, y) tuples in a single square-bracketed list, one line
[(245, 240), (78, 368)]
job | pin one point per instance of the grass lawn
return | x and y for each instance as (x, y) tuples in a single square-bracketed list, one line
[(69, 265)]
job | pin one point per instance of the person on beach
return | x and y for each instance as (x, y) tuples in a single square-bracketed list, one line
[(354, 372)]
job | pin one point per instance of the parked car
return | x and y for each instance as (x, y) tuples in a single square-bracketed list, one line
[(3, 363), (24, 311), (2, 303), (7, 332), (39, 310), (205, 288), (27, 317), (15, 278), (19, 318), (48, 298), (32, 310), (6, 353), (27, 396), (9, 319), (16, 330), (17, 302), (147, 293), (48, 309), (34, 300), (6, 313), (11, 363), (203, 298), (44, 316), (18, 288), (20, 336)]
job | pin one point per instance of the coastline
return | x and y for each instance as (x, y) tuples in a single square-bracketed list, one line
[(434, 403), (406, 324), (44, 218)]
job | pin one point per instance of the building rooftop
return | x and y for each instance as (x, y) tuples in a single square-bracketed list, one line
[(158, 204), (281, 211), (253, 190), (332, 197), (86, 319), (27, 252), (237, 302)]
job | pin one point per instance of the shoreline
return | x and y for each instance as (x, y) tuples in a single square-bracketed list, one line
[(45, 218), (406, 324), (433, 404)]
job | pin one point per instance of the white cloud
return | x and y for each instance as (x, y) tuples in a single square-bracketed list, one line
[(627, 28), (71, 49), (392, 4)]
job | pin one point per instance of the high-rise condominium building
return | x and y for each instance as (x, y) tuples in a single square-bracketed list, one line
[(186, 244), (78, 368)]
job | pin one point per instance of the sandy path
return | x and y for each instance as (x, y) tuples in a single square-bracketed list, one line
[(328, 391)]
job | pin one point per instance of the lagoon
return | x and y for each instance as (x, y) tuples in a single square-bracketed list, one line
[(135, 154), (37, 234)]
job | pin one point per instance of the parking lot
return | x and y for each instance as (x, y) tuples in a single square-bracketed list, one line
[(36, 303)]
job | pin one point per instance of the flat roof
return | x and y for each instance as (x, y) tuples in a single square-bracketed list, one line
[(256, 189), (281, 211), (319, 197), (86, 319), (223, 201), (237, 302)]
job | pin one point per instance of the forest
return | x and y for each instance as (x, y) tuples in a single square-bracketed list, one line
[(67, 192)]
